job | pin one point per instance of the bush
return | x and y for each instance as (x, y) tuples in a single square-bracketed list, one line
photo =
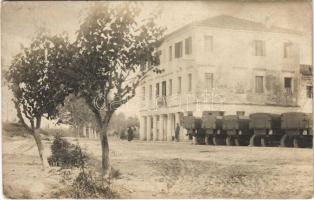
[(66, 155), (81, 182), (90, 185)]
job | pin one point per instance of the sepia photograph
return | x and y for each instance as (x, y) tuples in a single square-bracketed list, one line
[(157, 99)]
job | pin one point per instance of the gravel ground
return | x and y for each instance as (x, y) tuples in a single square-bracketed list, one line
[(172, 170)]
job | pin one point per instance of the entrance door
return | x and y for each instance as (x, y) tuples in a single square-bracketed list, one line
[(145, 127), (164, 87), (173, 126), (151, 128), (165, 127)]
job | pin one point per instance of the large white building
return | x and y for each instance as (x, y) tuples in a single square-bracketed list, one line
[(223, 64)]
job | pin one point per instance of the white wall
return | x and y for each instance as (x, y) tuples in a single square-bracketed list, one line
[(234, 66)]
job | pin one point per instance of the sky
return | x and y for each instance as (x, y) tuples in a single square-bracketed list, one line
[(21, 20)]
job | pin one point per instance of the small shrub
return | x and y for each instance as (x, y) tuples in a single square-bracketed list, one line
[(81, 182), (86, 183), (90, 185), (66, 155)]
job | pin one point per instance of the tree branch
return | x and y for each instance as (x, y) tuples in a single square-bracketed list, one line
[(20, 116), (96, 112)]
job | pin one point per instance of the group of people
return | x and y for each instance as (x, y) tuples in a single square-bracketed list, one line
[(131, 130), (130, 133), (127, 133)]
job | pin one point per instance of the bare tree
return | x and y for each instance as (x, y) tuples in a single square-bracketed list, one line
[(36, 79), (113, 48)]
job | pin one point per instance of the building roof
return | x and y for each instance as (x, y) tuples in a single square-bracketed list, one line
[(234, 23)]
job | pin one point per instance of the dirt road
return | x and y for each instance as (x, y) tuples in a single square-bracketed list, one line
[(169, 170)]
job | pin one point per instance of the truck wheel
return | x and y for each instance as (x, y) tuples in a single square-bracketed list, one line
[(296, 142), (263, 142), (215, 141), (237, 141), (207, 140), (210, 140), (194, 140), (228, 141), (200, 140), (283, 141), (218, 140), (252, 141), (308, 141)]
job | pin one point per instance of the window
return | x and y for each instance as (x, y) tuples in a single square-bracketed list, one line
[(259, 84), (150, 92), (288, 84), (170, 87), (178, 50), (157, 89), (208, 43), (287, 47), (188, 46), (209, 81), (143, 93), (259, 48), (190, 82), (170, 53), (309, 91), (179, 85), (159, 53), (240, 113), (164, 88)]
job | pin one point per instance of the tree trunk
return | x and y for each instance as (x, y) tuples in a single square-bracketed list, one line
[(41, 149), (105, 150)]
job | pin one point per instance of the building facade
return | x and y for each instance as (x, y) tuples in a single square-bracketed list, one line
[(306, 88), (221, 64)]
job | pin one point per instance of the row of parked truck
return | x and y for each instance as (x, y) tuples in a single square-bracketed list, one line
[(291, 129)]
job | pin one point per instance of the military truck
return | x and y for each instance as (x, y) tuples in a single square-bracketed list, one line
[(291, 129), (296, 127), (236, 129), (194, 127), (212, 125), (266, 129)]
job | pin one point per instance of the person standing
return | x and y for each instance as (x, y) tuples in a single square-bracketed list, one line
[(177, 132), (130, 134)]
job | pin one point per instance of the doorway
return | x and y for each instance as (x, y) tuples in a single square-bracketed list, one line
[(164, 88)]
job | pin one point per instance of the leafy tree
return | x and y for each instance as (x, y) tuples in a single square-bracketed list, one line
[(75, 113), (120, 122), (133, 121), (113, 47), (38, 82)]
